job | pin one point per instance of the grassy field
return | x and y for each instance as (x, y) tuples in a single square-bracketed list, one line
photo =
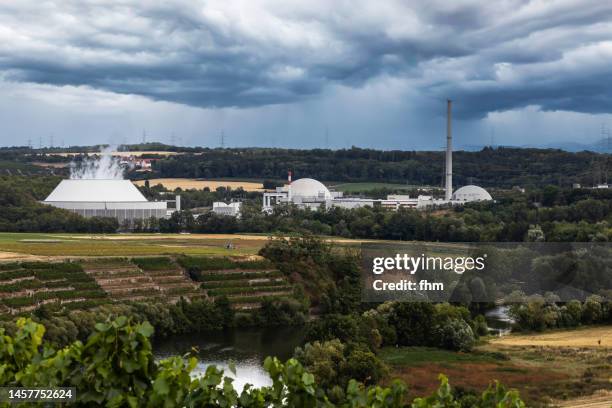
[(584, 337), (557, 375), (358, 187), (19, 245), (562, 368), (367, 186), (186, 184)]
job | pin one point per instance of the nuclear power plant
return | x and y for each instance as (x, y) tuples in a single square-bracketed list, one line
[(109, 198), (312, 194)]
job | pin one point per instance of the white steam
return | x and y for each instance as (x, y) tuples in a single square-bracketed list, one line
[(101, 167)]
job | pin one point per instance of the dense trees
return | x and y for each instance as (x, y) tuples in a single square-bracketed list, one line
[(540, 313), (500, 167)]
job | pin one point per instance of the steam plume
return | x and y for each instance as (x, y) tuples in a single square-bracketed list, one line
[(102, 167)]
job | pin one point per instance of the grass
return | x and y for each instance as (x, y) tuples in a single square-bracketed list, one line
[(362, 187), (66, 245), (600, 337), (409, 356)]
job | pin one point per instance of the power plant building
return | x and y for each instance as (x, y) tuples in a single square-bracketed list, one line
[(108, 198), (312, 194)]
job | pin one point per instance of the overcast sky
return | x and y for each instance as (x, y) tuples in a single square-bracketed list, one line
[(301, 74)]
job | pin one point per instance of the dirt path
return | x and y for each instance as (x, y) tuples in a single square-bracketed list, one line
[(8, 256), (600, 337)]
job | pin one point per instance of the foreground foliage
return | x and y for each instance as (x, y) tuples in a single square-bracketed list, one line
[(116, 368)]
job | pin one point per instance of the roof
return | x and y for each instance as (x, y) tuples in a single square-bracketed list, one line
[(471, 193), (307, 187), (96, 191)]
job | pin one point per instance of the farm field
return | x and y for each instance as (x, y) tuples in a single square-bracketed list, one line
[(563, 375), (123, 154), (89, 282), (24, 245), (583, 337), (16, 246), (359, 187), (185, 184)]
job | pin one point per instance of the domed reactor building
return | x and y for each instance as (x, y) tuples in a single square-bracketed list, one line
[(312, 194)]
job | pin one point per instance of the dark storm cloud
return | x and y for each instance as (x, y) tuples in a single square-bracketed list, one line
[(493, 56)]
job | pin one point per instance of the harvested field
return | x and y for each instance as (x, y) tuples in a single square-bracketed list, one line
[(198, 184), (122, 154), (584, 337)]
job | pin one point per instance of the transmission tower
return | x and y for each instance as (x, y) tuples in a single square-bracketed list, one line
[(222, 139)]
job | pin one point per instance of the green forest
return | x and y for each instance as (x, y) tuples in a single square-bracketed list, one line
[(502, 167)]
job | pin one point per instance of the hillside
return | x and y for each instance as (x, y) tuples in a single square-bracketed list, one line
[(93, 281)]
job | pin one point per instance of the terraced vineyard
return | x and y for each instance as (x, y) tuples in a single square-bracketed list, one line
[(246, 283), (28, 285), (142, 278), (93, 281)]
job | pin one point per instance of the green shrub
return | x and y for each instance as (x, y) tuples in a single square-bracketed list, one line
[(454, 334)]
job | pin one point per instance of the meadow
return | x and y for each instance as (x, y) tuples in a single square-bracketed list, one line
[(557, 368), (349, 188), (28, 245)]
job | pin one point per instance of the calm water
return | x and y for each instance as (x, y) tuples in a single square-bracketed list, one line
[(246, 348), (498, 320)]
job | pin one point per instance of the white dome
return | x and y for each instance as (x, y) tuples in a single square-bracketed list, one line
[(307, 187), (471, 193)]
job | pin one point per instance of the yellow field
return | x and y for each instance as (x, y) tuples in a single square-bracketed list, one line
[(122, 154), (186, 184), (587, 337)]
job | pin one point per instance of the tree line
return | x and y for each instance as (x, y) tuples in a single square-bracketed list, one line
[(498, 167), (550, 214)]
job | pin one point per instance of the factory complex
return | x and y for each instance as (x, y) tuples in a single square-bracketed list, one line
[(312, 194)]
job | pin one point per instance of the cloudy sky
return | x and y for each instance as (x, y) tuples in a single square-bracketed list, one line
[(300, 74)]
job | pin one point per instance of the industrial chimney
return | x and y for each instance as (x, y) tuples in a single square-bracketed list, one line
[(449, 153)]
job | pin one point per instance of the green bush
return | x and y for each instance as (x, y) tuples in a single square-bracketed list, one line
[(454, 334)]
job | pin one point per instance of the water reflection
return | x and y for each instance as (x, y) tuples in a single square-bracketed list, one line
[(246, 348), (498, 320)]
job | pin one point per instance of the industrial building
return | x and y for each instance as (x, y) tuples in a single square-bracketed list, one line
[(109, 198), (312, 194), (231, 210)]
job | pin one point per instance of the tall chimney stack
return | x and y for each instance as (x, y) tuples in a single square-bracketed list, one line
[(449, 152)]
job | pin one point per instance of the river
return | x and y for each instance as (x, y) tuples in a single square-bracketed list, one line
[(246, 348), (499, 321)]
